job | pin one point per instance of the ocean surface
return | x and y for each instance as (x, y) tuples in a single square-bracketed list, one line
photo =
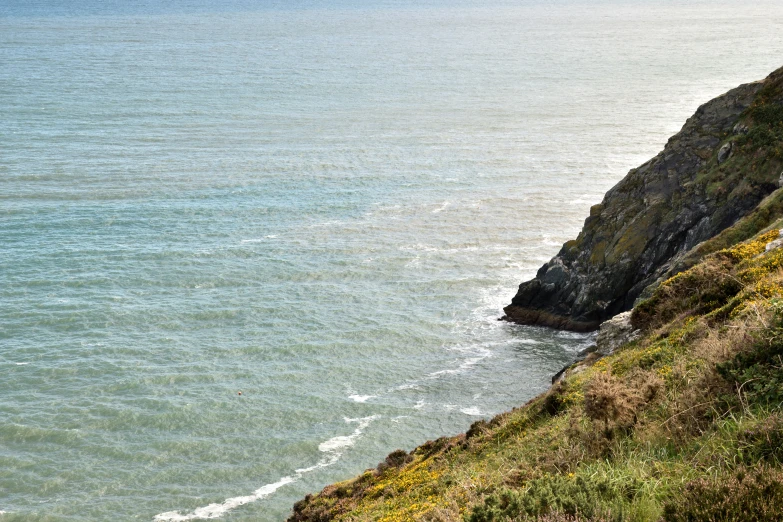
[(248, 248)]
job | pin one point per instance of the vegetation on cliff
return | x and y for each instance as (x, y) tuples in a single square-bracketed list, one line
[(682, 424)]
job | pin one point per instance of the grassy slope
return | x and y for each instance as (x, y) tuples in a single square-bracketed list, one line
[(673, 426), (633, 436)]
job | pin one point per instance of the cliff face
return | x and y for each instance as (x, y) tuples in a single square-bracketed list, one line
[(713, 172)]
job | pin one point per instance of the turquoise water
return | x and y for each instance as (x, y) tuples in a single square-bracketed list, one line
[(321, 205)]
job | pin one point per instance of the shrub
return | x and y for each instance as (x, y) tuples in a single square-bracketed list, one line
[(757, 374), (769, 114), (699, 290), (554, 402), (434, 447), (742, 497), (609, 401), (762, 442), (477, 428), (558, 496), (395, 459)]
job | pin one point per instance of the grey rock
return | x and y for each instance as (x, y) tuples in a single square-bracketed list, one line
[(740, 128), (559, 375), (725, 152), (644, 225), (775, 244), (587, 351), (555, 274), (780, 180), (614, 333)]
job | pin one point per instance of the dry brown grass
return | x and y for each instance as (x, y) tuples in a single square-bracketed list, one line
[(720, 345), (611, 402)]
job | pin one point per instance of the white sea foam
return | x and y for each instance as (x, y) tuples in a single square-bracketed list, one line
[(259, 240), (442, 208), (419, 405), (361, 398), (471, 411), (336, 444), (421, 247), (334, 447), (563, 334), (22, 364), (218, 510), (464, 366), (321, 464), (356, 396)]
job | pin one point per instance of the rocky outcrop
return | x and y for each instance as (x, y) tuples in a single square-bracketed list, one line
[(714, 171), (775, 244), (614, 333)]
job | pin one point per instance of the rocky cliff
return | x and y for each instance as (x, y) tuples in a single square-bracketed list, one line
[(716, 170)]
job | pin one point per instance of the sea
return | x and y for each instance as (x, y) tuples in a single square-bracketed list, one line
[(250, 247)]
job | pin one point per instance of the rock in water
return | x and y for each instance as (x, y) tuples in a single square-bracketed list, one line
[(686, 194)]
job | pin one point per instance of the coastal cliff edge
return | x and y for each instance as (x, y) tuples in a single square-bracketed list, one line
[(702, 182)]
